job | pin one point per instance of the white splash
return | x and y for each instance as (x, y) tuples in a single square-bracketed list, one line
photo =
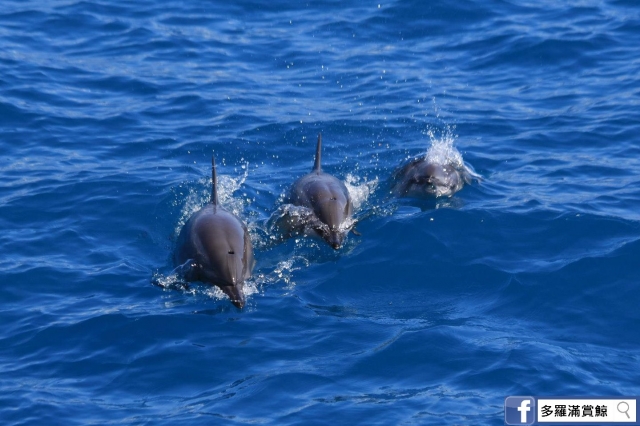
[(442, 150), (214, 292), (359, 191), (347, 224), (283, 272), (174, 281)]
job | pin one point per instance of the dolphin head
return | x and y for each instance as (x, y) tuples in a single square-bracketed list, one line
[(226, 269), (333, 211), (422, 177), (335, 238), (225, 254), (235, 293)]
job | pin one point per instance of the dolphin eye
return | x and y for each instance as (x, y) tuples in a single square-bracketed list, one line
[(232, 252), (333, 198)]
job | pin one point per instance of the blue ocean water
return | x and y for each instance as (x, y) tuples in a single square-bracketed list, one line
[(523, 283)]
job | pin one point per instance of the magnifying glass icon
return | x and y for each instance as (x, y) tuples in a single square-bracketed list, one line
[(623, 407)]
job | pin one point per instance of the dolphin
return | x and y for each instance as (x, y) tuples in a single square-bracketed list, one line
[(422, 177), (326, 203), (215, 247)]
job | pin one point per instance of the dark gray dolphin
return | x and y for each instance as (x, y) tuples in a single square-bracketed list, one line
[(421, 177), (328, 201), (215, 247)]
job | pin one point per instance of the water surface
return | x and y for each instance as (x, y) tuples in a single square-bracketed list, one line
[(522, 283)]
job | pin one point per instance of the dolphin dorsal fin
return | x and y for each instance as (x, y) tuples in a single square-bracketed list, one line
[(317, 167), (214, 184)]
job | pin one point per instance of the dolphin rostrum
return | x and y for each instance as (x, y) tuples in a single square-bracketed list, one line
[(215, 247), (326, 203)]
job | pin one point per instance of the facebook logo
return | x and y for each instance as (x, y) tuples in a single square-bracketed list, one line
[(519, 410)]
